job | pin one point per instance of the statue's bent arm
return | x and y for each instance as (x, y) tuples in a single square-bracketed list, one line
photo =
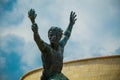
[(40, 43), (66, 36), (68, 31)]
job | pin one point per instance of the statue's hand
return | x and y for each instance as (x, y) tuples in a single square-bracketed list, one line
[(72, 17), (32, 15)]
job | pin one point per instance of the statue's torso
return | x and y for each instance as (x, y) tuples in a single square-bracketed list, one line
[(52, 60)]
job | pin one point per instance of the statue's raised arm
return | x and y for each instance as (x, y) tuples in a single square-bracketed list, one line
[(68, 31), (40, 43)]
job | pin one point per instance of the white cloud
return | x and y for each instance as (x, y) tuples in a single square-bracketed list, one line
[(31, 57)]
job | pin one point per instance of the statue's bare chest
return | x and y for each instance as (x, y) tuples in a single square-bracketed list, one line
[(57, 54)]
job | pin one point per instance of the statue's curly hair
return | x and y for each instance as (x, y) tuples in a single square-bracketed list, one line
[(58, 30)]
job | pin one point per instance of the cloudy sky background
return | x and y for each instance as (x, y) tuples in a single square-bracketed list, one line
[(96, 32)]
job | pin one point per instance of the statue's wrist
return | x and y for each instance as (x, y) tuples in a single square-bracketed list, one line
[(32, 20), (71, 23), (35, 32), (34, 24)]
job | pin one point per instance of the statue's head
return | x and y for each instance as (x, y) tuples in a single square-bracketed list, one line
[(55, 34)]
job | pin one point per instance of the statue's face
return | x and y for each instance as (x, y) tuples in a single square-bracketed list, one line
[(54, 36)]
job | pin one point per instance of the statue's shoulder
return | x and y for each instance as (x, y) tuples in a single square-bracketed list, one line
[(46, 48)]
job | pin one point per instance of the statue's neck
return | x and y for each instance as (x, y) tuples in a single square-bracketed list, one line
[(54, 46)]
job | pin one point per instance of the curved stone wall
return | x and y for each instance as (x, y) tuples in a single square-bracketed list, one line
[(99, 68)]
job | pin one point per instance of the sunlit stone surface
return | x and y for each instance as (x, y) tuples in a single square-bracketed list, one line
[(100, 68)]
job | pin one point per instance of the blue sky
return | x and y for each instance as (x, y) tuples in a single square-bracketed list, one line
[(96, 32)]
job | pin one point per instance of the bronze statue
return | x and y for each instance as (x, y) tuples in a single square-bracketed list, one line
[(52, 54)]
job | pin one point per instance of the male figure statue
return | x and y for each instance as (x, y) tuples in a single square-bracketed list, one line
[(52, 54)]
